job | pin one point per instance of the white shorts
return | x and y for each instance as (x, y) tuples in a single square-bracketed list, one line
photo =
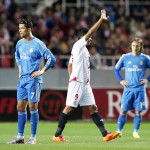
[(79, 94)]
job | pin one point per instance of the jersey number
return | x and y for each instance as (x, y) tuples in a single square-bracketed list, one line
[(32, 94)]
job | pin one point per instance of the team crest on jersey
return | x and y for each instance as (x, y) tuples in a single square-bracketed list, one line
[(141, 62), (31, 50)]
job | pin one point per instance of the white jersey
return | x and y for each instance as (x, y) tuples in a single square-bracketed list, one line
[(80, 60)]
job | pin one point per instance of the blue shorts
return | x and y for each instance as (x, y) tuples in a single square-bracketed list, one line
[(29, 88), (134, 100)]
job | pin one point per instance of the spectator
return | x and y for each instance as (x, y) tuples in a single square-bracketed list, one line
[(95, 58), (50, 23)]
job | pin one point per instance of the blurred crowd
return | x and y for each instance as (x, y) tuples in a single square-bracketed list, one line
[(58, 29)]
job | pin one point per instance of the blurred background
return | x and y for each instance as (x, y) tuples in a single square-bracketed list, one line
[(56, 23)]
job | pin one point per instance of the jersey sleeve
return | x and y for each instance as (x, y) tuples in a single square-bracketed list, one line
[(120, 63), (118, 67), (47, 55), (17, 56), (148, 61), (118, 75), (148, 66)]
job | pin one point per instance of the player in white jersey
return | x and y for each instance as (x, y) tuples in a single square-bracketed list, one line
[(80, 76), (79, 89)]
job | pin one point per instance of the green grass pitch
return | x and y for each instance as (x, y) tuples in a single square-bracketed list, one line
[(82, 136)]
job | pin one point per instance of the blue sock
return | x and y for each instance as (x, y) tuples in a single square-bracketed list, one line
[(22, 119), (137, 120), (121, 122), (34, 119)]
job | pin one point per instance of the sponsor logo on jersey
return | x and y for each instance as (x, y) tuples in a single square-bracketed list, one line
[(24, 56), (134, 69)]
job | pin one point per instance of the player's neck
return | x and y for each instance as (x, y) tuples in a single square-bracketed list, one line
[(135, 54), (29, 37)]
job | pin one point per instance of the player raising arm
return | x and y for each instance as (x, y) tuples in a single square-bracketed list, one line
[(79, 89)]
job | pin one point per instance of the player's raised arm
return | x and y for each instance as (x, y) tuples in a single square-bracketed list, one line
[(94, 28)]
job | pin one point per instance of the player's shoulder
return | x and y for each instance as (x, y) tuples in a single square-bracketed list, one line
[(80, 41), (75, 45), (38, 41), (127, 55), (21, 41), (145, 56), (35, 39)]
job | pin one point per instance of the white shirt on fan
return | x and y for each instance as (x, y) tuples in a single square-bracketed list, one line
[(80, 60)]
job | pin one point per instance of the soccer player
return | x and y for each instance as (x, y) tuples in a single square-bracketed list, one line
[(135, 64), (29, 54), (79, 89)]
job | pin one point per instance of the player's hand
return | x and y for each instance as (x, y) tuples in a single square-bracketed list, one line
[(35, 74), (124, 83), (103, 15), (144, 81)]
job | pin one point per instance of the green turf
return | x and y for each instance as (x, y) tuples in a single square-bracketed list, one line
[(83, 136)]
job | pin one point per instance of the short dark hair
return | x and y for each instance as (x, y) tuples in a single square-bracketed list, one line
[(28, 23), (82, 32)]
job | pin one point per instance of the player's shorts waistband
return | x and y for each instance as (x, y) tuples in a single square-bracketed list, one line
[(142, 88), (25, 76), (79, 82)]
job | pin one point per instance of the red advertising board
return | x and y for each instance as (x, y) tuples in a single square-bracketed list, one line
[(109, 101), (53, 101)]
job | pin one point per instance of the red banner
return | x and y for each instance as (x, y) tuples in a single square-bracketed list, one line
[(53, 101), (108, 102)]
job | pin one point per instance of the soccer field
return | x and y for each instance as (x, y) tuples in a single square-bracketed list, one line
[(82, 136)]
